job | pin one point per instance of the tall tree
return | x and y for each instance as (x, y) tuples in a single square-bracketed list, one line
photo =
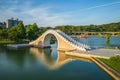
[(13, 33), (21, 30), (17, 32), (32, 31), (3, 33)]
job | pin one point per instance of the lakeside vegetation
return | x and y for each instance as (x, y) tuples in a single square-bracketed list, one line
[(113, 62), (112, 27), (19, 32), (6, 42)]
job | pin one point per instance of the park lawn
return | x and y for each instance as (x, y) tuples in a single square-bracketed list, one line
[(6, 42), (112, 63)]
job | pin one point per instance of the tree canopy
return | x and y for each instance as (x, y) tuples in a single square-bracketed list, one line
[(32, 31), (112, 27), (17, 32)]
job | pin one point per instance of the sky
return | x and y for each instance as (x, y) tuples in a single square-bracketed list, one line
[(61, 12)]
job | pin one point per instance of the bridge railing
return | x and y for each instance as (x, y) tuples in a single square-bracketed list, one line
[(72, 41), (75, 45)]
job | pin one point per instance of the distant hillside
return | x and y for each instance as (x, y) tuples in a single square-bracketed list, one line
[(112, 27)]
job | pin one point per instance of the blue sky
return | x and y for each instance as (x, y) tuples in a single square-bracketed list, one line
[(61, 12)]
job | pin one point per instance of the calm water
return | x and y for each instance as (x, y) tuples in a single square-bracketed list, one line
[(99, 42), (46, 64)]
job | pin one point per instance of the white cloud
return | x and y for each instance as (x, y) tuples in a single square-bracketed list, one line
[(40, 15), (44, 15), (103, 5), (44, 18)]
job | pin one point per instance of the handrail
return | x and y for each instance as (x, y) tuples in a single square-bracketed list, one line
[(72, 41)]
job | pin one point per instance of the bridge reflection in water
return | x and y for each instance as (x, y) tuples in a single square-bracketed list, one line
[(53, 59)]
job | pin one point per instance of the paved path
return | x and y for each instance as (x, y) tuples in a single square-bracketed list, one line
[(101, 52), (105, 52), (17, 45)]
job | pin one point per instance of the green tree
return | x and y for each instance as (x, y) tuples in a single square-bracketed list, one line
[(3, 33), (13, 33), (112, 27), (17, 32), (42, 30), (32, 31), (107, 39), (21, 31)]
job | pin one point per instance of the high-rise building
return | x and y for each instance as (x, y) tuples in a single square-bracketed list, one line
[(2, 25), (11, 22)]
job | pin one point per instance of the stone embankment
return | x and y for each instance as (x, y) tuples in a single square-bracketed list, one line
[(100, 53)]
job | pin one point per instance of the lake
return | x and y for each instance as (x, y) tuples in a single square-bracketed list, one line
[(100, 42), (46, 64)]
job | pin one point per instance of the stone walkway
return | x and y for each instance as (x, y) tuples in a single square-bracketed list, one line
[(101, 52), (105, 52)]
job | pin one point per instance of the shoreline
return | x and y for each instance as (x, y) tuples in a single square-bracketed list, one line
[(114, 74)]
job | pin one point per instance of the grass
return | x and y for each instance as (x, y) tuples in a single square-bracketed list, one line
[(113, 62), (6, 41)]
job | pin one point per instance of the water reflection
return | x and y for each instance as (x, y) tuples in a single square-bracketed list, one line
[(36, 64), (16, 57), (53, 60)]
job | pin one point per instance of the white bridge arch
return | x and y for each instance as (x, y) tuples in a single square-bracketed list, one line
[(64, 41)]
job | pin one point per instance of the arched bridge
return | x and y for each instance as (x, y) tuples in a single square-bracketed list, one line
[(64, 41)]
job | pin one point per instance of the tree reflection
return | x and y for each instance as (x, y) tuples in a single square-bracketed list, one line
[(16, 56), (107, 40)]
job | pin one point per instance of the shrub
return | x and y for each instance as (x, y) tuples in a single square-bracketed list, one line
[(115, 58)]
